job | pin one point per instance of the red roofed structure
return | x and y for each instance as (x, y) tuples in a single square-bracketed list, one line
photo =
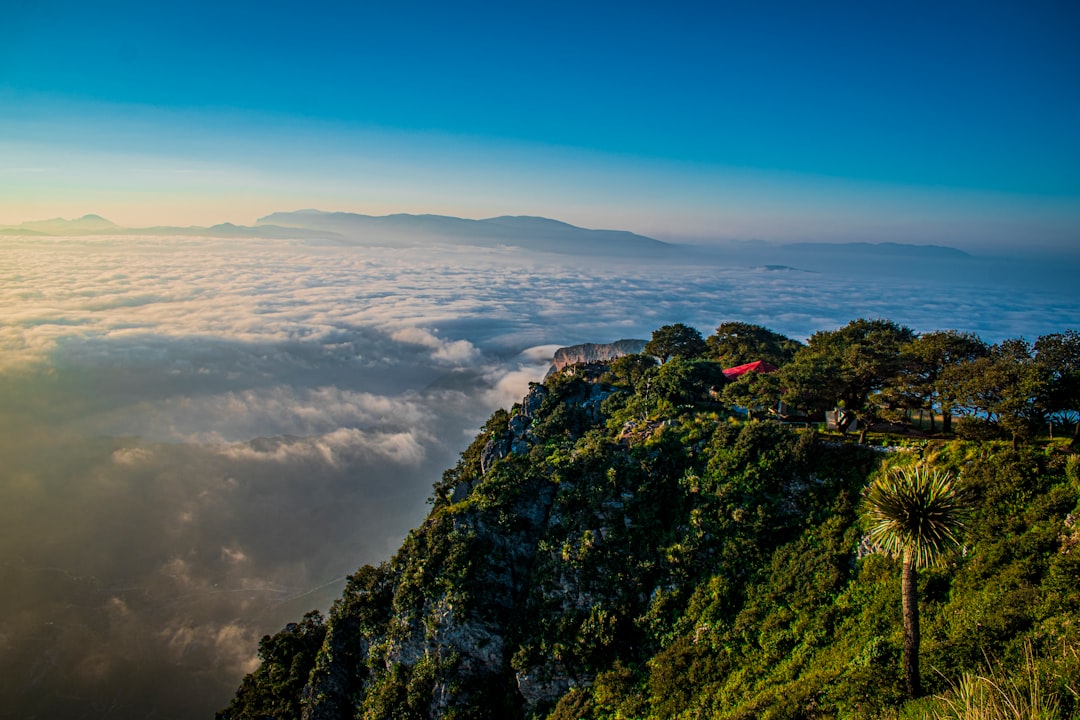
[(759, 366)]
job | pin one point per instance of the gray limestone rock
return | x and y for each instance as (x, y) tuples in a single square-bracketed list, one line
[(595, 353)]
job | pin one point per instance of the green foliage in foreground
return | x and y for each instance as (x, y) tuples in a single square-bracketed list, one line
[(647, 558), (915, 512)]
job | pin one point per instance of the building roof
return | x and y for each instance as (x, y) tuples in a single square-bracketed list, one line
[(759, 366)]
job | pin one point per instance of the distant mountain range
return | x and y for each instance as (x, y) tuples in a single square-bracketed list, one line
[(530, 233), (86, 225), (878, 249), (526, 232), (533, 233)]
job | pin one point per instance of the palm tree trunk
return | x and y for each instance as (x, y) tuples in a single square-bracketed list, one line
[(909, 587)]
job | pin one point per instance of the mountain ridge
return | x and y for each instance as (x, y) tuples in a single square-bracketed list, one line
[(398, 230), (526, 231), (880, 248), (584, 562)]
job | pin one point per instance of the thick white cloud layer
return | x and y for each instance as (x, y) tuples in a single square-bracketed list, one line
[(202, 436), (92, 299)]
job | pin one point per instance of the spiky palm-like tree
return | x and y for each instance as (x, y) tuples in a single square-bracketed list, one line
[(914, 514)]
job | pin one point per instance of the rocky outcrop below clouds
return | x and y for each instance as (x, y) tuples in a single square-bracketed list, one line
[(595, 353)]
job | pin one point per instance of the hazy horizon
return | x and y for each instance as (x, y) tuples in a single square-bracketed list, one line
[(752, 248)]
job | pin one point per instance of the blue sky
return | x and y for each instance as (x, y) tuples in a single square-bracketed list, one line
[(923, 122)]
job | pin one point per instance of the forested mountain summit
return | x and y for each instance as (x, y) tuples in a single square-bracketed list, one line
[(625, 544)]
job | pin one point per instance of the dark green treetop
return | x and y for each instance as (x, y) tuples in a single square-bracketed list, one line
[(737, 343), (925, 359), (846, 367), (999, 393), (1059, 355), (675, 340), (757, 392)]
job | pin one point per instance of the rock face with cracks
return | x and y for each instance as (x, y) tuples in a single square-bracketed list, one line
[(451, 593), (595, 353)]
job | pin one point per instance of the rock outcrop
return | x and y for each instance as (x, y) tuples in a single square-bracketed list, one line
[(519, 436), (460, 644), (595, 353)]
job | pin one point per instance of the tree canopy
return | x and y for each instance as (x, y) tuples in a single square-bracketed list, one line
[(757, 392), (1059, 356), (676, 340), (846, 367), (737, 343), (999, 393), (924, 361)]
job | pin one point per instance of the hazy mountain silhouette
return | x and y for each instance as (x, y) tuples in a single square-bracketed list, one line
[(884, 249), (532, 233), (86, 225), (537, 234)]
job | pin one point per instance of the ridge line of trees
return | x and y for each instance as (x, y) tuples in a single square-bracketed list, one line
[(875, 372)]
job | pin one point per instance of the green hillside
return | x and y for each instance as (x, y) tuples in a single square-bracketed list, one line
[(623, 544)]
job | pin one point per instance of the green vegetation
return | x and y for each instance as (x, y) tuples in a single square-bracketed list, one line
[(287, 659), (848, 367), (622, 545), (737, 343), (676, 340), (1059, 354)]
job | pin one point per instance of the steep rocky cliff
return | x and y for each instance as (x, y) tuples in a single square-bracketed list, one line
[(595, 352)]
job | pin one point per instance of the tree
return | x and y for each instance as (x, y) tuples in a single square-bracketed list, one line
[(630, 370), (1001, 391), (757, 392), (914, 515), (676, 340), (682, 381), (1059, 356), (846, 367), (275, 687), (737, 343), (924, 360)]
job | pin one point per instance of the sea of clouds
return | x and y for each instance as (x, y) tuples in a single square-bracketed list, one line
[(200, 437)]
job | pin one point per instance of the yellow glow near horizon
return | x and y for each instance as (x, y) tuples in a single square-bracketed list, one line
[(238, 179)]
